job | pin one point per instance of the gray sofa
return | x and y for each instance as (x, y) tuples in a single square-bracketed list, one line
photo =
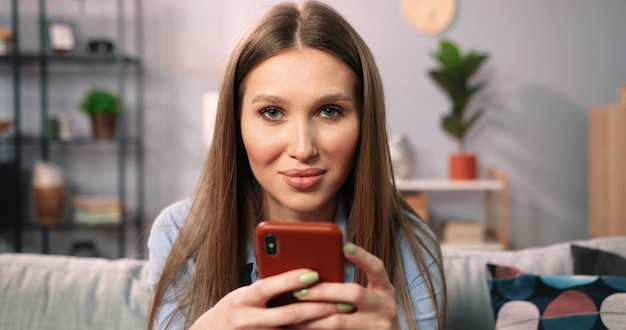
[(60, 292)]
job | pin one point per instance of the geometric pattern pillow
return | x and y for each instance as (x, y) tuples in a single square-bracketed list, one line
[(588, 261), (528, 301)]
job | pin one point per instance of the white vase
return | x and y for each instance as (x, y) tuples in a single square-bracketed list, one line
[(401, 156)]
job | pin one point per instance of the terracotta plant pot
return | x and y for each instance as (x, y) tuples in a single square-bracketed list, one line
[(103, 126), (462, 166)]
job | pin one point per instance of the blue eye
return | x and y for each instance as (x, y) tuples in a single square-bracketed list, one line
[(330, 112), (271, 113)]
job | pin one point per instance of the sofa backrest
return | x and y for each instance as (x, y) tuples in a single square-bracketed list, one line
[(469, 302), (62, 292)]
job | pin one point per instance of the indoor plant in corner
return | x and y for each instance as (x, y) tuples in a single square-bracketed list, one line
[(452, 75), (103, 107)]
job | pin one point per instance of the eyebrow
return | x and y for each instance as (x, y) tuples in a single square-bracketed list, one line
[(326, 98), (336, 97), (266, 98)]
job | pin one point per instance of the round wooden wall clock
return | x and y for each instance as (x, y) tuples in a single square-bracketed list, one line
[(430, 17)]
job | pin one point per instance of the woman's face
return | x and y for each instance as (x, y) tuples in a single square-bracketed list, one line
[(300, 126)]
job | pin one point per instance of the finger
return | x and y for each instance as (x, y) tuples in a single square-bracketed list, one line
[(297, 313), (330, 322), (370, 264), (346, 322), (338, 293), (259, 292)]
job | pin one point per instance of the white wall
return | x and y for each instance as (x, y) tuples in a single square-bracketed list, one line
[(550, 62)]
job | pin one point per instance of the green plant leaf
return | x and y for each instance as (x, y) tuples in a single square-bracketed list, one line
[(99, 100), (453, 126), (473, 119), (449, 54), (471, 63), (476, 88), (444, 81), (452, 75), (459, 103)]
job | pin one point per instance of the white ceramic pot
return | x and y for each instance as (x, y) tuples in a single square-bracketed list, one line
[(402, 156)]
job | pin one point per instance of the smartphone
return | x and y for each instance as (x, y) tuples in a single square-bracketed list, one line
[(283, 246)]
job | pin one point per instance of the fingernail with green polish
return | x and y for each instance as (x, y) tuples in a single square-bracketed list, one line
[(300, 293), (349, 248), (310, 278), (345, 307)]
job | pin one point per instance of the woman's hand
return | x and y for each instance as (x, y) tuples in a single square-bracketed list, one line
[(374, 306), (245, 308)]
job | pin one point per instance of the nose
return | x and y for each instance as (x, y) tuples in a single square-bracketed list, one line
[(301, 145)]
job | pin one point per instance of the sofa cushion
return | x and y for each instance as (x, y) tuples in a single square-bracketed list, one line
[(469, 303), (62, 292), (588, 261), (530, 301)]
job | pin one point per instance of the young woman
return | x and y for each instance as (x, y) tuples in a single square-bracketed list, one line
[(300, 135)]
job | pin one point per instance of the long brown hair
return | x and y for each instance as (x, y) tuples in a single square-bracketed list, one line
[(228, 199)]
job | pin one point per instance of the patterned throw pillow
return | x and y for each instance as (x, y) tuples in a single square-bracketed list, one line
[(528, 301)]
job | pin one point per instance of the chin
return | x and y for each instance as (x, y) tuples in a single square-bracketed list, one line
[(306, 206)]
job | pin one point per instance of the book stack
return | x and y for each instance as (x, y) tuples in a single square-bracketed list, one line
[(469, 235), (463, 232), (97, 210)]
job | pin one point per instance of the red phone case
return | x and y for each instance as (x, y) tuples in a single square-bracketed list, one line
[(314, 245)]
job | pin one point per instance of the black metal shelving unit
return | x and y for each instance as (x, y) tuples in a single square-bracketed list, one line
[(128, 147)]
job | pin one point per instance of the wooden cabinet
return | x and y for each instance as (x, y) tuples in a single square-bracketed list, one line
[(607, 168), (494, 186)]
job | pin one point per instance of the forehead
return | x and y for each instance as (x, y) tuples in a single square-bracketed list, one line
[(302, 68)]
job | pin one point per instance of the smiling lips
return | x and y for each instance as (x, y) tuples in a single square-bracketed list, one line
[(303, 179)]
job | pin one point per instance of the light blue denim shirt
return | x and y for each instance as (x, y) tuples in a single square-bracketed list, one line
[(167, 225)]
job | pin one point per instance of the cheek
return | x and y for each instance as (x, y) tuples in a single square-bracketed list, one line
[(260, 148), (341, 147)]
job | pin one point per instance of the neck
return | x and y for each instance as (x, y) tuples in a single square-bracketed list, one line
[(326, 213)]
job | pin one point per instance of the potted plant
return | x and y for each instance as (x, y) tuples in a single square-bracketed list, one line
[(452, 75), (103, 107)]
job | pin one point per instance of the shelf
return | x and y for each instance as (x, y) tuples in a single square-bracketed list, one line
[(35, 141), (70, 226), (495, 183), (73, 226), (28, 58), (37, 71), (448, 185)]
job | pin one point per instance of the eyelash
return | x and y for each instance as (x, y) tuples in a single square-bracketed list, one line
[(336, 111), (265, 112)]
